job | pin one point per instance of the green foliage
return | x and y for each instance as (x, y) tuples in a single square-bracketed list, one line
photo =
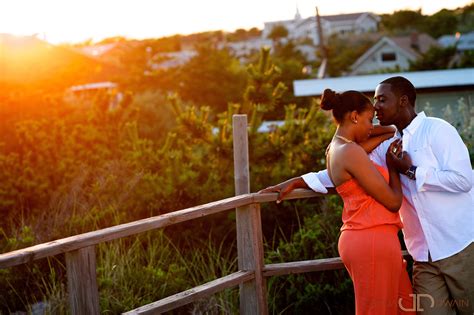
[(467, 60), (73, 169), (466, 18), (443, 22), (93, 168), (461, 117), (311, 293), (213, 78), (242, 34), (262, 90), (435, 58), (149, 268), (403, 21), (343, 52), (278, 32)]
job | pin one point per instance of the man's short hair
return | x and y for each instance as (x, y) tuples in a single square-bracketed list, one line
[(402, 86)]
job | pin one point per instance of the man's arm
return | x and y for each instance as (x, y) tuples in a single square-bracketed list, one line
[(454, 173), (318, 181), (321, 182)]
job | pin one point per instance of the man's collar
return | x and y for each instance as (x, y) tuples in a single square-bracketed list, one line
[(414, 124)]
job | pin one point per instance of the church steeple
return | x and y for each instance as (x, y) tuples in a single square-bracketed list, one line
[(297, 15)]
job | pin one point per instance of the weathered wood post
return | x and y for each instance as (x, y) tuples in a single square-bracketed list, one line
[(82, 281), (253, 294)]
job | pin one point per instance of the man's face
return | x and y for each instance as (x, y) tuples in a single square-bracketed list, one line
[(386, 105)]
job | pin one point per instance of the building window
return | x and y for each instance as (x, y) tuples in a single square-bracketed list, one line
[(389, 57)]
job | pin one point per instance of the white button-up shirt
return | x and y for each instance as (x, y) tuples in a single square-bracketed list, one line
[(438, 207)]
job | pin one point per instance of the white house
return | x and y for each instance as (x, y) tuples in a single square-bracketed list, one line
[(290, 25), (87, 94), (167, 60), (97, 50), (341, 24), (243, 49), (393, 53)]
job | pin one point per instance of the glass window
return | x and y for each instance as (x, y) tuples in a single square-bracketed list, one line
[(389, 56)]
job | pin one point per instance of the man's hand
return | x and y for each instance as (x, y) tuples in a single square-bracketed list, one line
[(282, 189)]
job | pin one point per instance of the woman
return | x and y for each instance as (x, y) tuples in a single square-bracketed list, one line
[(368, 245)]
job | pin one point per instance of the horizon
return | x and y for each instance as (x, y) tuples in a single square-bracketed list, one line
[(71, 21)]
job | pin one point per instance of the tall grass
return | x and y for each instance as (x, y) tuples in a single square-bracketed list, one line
[(135, 271)]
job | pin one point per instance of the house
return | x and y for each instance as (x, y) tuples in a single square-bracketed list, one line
[(290, 25), (393, 53), (87, 95), (463, 42), (96, 50), (300, 29), (167, 60), (243, 49)]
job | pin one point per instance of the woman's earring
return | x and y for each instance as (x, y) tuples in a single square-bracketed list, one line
[(354, 121)]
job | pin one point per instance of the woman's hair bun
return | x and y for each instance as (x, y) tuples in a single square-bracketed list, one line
[(330, 99)]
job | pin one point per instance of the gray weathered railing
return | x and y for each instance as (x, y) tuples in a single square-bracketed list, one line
[(81, 260)]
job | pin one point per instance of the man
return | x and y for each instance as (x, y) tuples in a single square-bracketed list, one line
[(437, 209)]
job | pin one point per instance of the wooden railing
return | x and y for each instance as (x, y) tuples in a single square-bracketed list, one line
[(81, 259)]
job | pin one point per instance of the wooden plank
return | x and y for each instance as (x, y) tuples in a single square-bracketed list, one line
[(82, 281), (249, 227), (258, 257), (60, 246), (295, 194), (253, 294), (241, 155), (308, 266), (56, 247), (194, 294), (302, 266)]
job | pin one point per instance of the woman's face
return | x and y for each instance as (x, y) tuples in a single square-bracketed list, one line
[(364, 124)]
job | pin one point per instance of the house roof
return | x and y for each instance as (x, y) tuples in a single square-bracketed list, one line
[(94, 86), (344, 17), (367, 83), (401, 43), (425, 41), (464, 41), (96, 50), (353, 17)]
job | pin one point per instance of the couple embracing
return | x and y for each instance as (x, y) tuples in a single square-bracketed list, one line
[(417, 178)]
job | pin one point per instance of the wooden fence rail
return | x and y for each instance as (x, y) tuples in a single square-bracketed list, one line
[(81, 259)]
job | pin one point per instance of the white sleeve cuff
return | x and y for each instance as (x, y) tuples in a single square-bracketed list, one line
[(420, 174), (318, 181)]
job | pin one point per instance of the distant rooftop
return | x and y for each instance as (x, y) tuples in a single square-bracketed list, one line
[(367, 83), (343, 17), (422, 40), (94, 86), (463, 42)]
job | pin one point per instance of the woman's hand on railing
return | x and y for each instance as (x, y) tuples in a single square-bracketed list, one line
[(285, 188)]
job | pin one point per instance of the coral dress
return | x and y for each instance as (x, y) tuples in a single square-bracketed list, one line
[(370, 250)]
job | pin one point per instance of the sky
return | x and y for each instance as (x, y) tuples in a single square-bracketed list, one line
[(71, 21)]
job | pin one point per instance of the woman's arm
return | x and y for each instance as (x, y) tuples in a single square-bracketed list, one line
[(370, 179), (374, 141), (381, 130), (378, 135)]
